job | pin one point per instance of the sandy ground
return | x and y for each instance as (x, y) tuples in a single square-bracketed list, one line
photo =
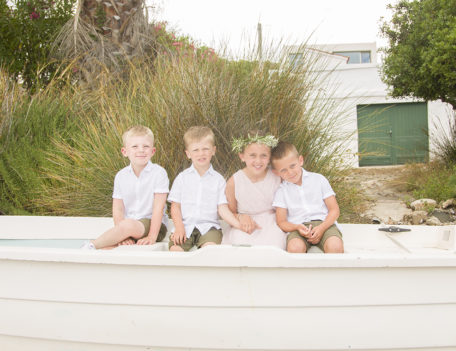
[(385, 191)]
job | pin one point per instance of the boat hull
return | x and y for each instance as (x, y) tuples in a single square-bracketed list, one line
[(225, 298)]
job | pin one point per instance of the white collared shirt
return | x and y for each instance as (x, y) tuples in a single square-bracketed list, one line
[(304, 202), (137, 193), (199, 197)]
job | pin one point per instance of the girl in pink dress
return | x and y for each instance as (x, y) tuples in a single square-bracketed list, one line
[(250, 192)]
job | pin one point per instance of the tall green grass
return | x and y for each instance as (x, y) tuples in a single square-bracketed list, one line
[(434, 180), (28, 126), (78, 153), (445, 142)]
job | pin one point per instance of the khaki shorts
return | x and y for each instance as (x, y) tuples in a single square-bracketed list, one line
[(331, 231), (212, 236), (161, 233)]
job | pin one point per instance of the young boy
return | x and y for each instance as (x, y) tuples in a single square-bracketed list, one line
[(305, 203), (197, 194), (139, 196)]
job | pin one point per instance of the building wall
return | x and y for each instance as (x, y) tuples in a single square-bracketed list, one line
[(355, 84)]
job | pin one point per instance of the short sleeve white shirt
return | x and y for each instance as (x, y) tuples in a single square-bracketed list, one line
[(304, 202), (199, 197), (137, 193)]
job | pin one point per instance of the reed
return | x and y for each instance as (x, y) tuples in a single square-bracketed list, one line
[(180, 91)]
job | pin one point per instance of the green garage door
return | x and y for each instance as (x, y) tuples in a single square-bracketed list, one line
[(390, 134)]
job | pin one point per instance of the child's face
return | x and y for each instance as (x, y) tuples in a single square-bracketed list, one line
[(256, 158), (139, 149), (289, 168), (201, 152)]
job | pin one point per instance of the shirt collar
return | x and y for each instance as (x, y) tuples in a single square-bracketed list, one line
[(192, 169), (303, 175), (148, 167)]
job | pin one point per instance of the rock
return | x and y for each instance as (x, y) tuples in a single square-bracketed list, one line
[(433, 221), (449, 203), (443, 216), (423, 204), (418, 217), (376, 220), (390, 221)]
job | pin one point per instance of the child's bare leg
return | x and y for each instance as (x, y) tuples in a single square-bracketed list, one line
[(333, 244), (208, 243), (176, 248), (296, 245), (128, 241), (125, 229)]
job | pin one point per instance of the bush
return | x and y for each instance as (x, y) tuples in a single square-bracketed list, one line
[(434, 180), (63, 147), (26, 138), (27, 28), (179, 93), (445, 143)]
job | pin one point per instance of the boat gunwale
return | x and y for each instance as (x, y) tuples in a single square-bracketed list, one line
[(227, 256)]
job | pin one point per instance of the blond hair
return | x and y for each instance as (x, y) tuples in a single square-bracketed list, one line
[(197, 133), (281, 150), (137, 131)]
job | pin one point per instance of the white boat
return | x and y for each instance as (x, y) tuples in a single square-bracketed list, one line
[(387, 292)]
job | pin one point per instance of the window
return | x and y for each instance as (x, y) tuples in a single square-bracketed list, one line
[(356, 56)]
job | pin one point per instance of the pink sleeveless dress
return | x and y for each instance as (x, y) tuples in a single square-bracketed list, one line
[(255, 199)]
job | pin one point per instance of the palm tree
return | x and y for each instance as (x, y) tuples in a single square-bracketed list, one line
[(105, 33)]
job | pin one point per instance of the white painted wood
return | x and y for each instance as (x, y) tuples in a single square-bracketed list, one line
[(375, 297)]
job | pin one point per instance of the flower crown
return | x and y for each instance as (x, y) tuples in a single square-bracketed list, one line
[(238, 144)]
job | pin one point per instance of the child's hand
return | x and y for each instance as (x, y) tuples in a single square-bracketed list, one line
[(315, 235), (248, 225), (179, 237), (146, 241), (128, 241), (305, 231)]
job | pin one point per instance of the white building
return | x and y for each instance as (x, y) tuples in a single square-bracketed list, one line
[(388, 131)]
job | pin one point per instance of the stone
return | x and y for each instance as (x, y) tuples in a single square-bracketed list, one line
[(449, 203), (423, 204), (390, 221), (376, 220), (433, 221), (418, 217), (443, 216)]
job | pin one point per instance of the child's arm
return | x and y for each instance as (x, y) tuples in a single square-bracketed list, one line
[(228, 216), (156, 219), (118, 211), (230, 195), (248, 225), (282, 222), (178, 235), (333, 213)]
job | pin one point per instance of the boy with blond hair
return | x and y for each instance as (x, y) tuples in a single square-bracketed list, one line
[(198, 196), (305, 203), (139, 196)]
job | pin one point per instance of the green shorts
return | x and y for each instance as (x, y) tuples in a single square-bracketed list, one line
[(161, 233), (213, 235), (331, 231)]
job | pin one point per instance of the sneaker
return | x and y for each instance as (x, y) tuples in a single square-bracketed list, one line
[(88, 245)]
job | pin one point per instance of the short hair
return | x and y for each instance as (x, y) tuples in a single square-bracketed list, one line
[(197, 133), (137, 131), (281, 150)]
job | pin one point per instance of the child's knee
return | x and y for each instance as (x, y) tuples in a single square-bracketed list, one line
[(334, 244), (296, 246), (131, 227)]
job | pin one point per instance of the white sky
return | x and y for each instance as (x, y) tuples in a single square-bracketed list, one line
[(233, 23)]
